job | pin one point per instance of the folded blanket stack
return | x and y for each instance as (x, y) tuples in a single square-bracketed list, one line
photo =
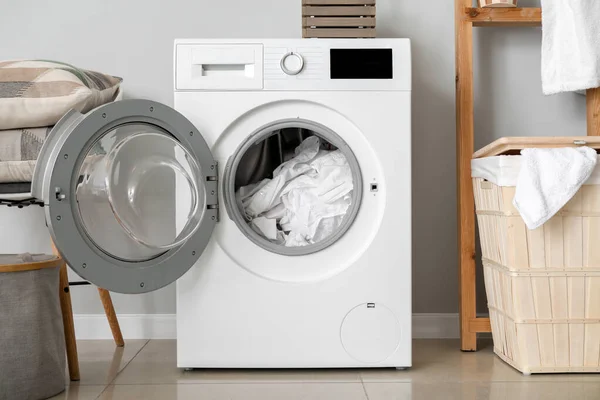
[(34, 95)]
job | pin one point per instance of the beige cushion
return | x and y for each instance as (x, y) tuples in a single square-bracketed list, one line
[(38, 93)]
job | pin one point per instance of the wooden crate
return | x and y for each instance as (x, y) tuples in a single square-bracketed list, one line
[(542, 285), (338, 18)]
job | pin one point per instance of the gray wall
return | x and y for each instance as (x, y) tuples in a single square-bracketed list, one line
[(134, 39)]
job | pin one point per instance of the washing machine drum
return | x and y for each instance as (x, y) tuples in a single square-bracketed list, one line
[(130, 194)]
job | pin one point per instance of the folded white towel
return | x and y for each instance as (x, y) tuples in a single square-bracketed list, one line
[(548, 179), (570, 45)]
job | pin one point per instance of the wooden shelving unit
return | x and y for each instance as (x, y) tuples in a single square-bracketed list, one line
[(468, 17), (482, 17)]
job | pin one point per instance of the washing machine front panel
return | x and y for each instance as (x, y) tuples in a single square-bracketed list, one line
[(244, 306), (266, 109), (130, 194), (365, 120)]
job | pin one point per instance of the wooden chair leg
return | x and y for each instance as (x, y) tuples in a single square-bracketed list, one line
[(68, 324), (111, 316)]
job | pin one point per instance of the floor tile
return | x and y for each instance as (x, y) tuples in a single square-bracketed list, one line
[(435, 362), (157, 363), (484, 391), (80, 392), (100, 360), (442, 361), (256, 391)]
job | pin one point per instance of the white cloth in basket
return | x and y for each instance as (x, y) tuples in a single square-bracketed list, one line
[(548, 179)]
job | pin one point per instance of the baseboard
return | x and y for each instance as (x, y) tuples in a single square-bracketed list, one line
[(133, 326), (164, 326), (435, 326)]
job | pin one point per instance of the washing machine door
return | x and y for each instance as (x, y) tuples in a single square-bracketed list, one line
[(130, 193)]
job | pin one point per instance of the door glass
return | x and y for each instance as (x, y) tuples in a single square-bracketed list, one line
[(133, 182)]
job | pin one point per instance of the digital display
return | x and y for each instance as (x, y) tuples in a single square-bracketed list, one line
[(361, 64)]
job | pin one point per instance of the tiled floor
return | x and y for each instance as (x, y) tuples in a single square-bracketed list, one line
[(147, 370)]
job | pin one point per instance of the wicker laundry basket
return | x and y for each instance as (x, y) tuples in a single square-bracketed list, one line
[(542, 285), (32, 343)]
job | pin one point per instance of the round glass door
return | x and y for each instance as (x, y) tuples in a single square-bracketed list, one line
[(130, 194), (126, 194)]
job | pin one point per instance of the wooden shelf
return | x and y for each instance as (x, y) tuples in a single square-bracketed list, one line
[(504, 16)]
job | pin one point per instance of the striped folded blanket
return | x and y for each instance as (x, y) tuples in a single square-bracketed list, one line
[(19, 148), (34, 95)]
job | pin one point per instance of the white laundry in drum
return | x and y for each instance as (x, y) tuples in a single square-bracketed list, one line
[(305, 201)]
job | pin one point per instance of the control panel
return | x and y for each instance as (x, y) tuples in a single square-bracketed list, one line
[(293, 64)]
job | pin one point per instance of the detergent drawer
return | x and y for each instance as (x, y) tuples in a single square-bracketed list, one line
[(219, 66)]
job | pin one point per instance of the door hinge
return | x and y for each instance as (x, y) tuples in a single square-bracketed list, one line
[(212, 191)]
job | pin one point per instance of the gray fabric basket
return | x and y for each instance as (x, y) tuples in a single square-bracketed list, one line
[(32, 344)]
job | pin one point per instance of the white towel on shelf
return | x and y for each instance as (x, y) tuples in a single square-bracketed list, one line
[(570, 45), (548, 179)]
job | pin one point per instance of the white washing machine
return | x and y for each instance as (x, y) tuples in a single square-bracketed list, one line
[(139, 195)]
